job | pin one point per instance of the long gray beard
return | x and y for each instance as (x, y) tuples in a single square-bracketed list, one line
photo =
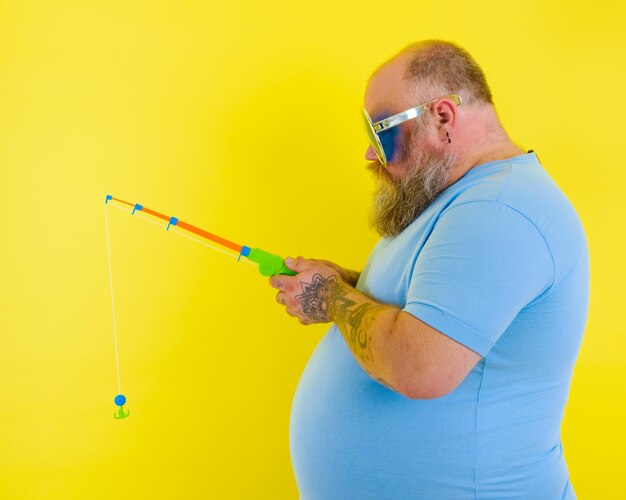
[(398, 203)]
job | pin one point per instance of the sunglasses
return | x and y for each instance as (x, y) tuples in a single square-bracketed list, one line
[(382, 135)]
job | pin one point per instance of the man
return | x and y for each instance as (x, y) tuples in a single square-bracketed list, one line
[(447, 369)]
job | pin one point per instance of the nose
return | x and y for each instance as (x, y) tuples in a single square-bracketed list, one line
[(370, 154)]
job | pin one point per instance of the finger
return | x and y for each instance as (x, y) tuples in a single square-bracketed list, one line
[(299, 264), (276, 282), (291, 313), (281, 298)]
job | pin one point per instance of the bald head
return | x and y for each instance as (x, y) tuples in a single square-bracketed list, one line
[(437, 67)]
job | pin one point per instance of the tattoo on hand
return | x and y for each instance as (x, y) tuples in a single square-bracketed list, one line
[(318, 295)]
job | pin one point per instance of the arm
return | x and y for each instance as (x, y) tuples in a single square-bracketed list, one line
[(395, 348)]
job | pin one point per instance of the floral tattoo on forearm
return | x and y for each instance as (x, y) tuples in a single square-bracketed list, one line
[(326, 299)]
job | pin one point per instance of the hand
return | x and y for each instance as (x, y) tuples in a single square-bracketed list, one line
[(347, 275), (307, 295)]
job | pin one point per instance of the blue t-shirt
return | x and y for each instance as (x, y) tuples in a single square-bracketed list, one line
[(499, 263)]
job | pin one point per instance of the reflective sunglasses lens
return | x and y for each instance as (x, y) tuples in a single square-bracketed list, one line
[(388, 139), (373, 138)]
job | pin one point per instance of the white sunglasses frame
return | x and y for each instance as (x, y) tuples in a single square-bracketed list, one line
[(397, 119)]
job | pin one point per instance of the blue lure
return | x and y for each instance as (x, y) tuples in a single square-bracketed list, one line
[(120, 400)]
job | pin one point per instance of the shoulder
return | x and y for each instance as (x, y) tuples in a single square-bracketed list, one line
[(518, 202)]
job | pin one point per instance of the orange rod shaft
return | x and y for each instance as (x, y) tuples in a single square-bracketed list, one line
[(209, 236), (122, 201), (190, 228), (156, 214)]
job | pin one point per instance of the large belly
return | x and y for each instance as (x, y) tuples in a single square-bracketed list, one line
[(351, 437)]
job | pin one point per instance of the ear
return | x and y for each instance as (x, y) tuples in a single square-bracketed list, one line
[(445, 112)]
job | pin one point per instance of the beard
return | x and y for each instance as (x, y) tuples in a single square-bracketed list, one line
[(397, 203)]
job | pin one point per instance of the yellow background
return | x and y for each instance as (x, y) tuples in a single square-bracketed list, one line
[(243, 118)]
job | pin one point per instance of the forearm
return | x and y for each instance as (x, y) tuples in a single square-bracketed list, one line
[(398, 350), (366, 326)]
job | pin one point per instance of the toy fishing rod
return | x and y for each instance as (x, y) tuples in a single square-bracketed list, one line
[(269, 265)]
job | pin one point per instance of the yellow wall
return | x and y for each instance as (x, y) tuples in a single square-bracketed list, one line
[(243, 118)]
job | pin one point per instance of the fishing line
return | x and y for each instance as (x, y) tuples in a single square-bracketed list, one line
[(269, 265), (120, 399)]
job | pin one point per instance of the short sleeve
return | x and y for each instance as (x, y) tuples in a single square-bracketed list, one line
[(481, 265)]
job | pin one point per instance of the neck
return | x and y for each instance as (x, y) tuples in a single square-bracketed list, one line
[(490, 144), (499, 152)]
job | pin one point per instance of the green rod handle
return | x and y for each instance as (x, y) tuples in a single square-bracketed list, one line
[(269, 263)]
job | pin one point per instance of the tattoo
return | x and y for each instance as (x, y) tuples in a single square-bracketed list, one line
[(354, 277), (356, 323), (317, 296), (325, 297)]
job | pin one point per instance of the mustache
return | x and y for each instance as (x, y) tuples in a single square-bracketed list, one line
[(377, 169)]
